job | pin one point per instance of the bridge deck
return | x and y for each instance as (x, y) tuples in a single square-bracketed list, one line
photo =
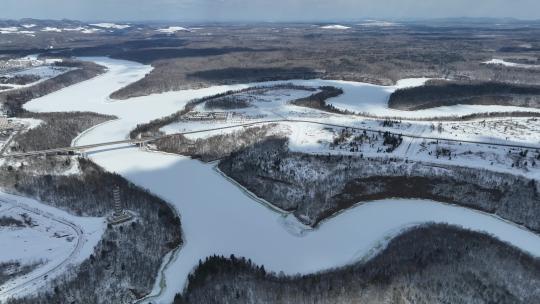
[(150, 139)]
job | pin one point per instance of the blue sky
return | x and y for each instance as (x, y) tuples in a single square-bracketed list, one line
[(265, 10)]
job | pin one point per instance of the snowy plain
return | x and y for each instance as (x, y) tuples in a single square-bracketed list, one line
[(31, 65), (54, 238), (227, 221), (378, 23), (273, 105), (335, 27), (512, 64), (173, 29), (110, 25)]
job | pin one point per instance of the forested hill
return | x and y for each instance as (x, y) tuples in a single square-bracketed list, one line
[(429, 264), (437, 93)]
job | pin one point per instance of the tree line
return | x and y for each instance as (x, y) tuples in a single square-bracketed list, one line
[(433, 263)]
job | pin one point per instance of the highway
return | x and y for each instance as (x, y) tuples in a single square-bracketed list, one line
[(155, 138)]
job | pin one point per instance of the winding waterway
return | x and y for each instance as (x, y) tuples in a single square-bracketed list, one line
[(218, 217)]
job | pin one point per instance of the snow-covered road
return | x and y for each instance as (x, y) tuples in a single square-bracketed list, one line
[(219, 218), (55, 239)]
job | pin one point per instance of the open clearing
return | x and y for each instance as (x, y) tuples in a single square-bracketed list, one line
[(48, 237)]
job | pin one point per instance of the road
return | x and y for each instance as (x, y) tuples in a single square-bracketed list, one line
[(31, 281), (155, 138), (8, 142)]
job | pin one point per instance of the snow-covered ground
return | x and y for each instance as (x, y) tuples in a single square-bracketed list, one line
[(107, 25), (30, 29), (318, 139), (219, 218), (173, 29), (44, 71), (378, 23), (512, 64), (12, 30), (82, 29), (361, 98), (51, 29), (50, 237), (31, 65), (373, 100), (16, 30), (273, 105), (25, 62), (335, 27)]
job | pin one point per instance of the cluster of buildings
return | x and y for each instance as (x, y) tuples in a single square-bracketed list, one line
[(220, 116), (203, 116)]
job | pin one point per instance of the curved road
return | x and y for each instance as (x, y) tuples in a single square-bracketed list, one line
[(12, 291)]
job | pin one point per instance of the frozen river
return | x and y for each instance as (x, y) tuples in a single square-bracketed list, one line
[(218, 217)]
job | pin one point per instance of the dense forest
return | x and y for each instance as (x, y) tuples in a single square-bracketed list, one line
[(227, 103), (125, 263), (57, 130), (318, 100), (315, 187), (12, 101), (437, 93), (217, 146), (19, 79), (428, 264)]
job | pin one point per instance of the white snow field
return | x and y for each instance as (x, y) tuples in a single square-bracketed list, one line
[(335, 27), (218, 217), (272, 105), (108, 25), (512, 64), (373, 99), (15, 30), (53, 238), (379, 23), (318, 139), (8, 30), (173, 29), (51, 29), (31, 65)]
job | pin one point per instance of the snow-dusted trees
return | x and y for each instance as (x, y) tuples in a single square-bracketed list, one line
[(56, 131), (438, 93), (429, 264), (217, 146), (317, 186), (13, 100), (125, 263), (318, 100)]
